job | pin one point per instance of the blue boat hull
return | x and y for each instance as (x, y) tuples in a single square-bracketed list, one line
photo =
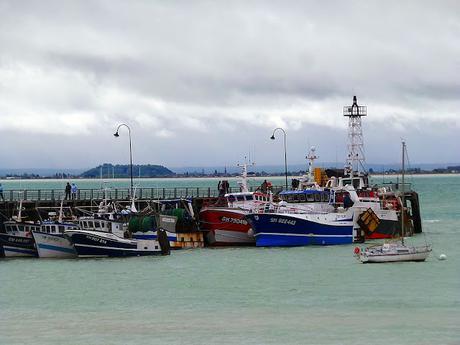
[(279, 230), (92, 245), (15, 245)]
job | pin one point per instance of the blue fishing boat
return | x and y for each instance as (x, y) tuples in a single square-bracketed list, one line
[(279, 229), (17, 240), (103, 235)]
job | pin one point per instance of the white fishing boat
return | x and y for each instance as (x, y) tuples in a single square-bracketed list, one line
[(397, 251), (50, 240)]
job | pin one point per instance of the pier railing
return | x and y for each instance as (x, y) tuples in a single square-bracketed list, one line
[(118, 193)]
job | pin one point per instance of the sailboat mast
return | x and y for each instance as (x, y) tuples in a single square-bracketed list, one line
[(403, 201)]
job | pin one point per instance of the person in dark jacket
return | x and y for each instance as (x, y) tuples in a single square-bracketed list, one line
[(68, 188)]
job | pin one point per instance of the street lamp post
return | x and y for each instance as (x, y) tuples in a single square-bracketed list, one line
[(130, 153), (285, 155)]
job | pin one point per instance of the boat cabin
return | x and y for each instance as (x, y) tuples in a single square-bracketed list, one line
[(236, 199), (358, 182), (101, 224), (15, 228), (304, 196), (57, 228)]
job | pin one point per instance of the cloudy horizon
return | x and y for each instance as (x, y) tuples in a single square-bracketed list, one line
[(205, 83)]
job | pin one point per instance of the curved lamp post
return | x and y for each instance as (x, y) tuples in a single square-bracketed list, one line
[(130, 153), (285, 158)]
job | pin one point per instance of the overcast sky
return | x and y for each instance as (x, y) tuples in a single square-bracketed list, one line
[(204, 83)]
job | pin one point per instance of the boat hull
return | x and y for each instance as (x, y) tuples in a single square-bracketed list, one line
[(415, 254), (53, 246), (18, 246), (275, 229), (226, 227), (98, 244)]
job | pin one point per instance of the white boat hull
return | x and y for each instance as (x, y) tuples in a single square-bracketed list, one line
[(379, 256), (53, 246), (229, 237)]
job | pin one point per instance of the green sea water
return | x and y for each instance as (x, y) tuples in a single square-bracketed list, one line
[(308, 295)]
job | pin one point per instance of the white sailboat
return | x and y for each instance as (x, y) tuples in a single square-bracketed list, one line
[(396, 251)]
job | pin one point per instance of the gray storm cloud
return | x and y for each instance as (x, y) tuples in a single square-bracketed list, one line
[(204, 82)]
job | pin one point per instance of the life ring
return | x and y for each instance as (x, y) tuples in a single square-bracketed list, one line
[(357, 250)]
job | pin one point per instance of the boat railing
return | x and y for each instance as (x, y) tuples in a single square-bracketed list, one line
[(145, 193)]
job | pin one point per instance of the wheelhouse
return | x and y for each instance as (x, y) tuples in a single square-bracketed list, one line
[(12, 227), (246, 197), (100, 224), (57, 228), (304, 196)]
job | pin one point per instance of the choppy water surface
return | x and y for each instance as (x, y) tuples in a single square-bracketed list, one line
[(310, 295)]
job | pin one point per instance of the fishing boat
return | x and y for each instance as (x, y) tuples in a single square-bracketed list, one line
[(17, 240), (108, 237), (105, 234), (50, 240), (397, 251), (286, 225), (225, 221)]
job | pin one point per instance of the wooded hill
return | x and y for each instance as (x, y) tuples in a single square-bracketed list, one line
[(117, 171)]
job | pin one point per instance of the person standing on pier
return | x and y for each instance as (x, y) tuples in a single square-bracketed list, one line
[(1, 192), (74, 190), (68, 188)]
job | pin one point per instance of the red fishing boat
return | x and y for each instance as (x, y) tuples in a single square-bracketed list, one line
[(224, 219)]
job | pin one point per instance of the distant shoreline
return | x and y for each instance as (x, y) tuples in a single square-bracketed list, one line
[(375, 175)]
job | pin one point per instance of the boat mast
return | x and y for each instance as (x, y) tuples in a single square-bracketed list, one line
[(311, 159), (355, 157), (403, 193), (244, 176)]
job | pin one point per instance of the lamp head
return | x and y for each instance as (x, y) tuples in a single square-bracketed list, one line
[(272, 137), (116, 135)]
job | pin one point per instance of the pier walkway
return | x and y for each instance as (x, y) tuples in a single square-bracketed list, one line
[(37, 195)]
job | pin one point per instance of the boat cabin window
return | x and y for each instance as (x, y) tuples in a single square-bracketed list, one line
[(61, 228), (91, 225), (85, 224), (20, 228), (310, 197), (356, 183), (240, 198), (346, 182), (249, 197), (97, 225), (48, 228)]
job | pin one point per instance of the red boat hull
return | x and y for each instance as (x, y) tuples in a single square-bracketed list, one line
[(226, 226)]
